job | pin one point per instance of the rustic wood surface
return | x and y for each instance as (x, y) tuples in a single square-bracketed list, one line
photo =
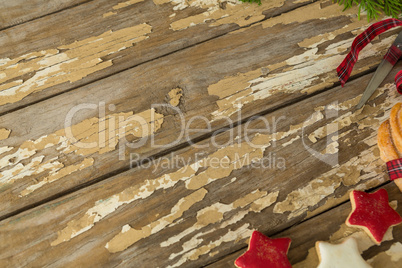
[(330, 226), (127, 33), (19, 11), (215, 77), (196, 214), (288, 164)]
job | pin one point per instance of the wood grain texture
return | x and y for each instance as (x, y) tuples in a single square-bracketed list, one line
[(18, 11), (330, 226), (238, 72), (42, 58), (195, 214)]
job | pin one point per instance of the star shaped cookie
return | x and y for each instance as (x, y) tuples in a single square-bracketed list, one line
[(264, 252), (372, 213), (344, 255)]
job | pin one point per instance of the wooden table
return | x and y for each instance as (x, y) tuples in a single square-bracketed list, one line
[(161, 133)]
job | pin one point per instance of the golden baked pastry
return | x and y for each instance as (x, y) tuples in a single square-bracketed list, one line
[(390, 138)]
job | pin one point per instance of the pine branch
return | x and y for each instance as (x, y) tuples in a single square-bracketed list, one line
[(253, 1), (374, 8)]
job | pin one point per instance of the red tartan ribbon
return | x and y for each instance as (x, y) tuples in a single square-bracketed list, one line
[(394, 168), (394, 53), (398, 82)]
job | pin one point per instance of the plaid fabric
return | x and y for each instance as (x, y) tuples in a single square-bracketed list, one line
[(398, 81), (394, 168), (393, 54), (345, 68)]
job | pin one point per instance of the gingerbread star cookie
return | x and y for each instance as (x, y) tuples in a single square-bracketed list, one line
[(344, 255), (372, 213), (264, 252)]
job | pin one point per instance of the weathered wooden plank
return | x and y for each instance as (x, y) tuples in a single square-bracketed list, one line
[(222, 80), (330, 226), (192, 213), (77, 46), (19, 11)]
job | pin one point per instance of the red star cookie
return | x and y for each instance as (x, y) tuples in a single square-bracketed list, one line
[(372, 213), (264, 252)]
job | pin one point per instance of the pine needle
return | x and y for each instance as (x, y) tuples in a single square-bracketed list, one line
[(374, 8), (253, 1)]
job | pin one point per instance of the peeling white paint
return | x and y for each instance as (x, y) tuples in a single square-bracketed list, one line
[(302, 75), (231, 236), (395, 252), (68, 63), (191, 250), (129, 236)]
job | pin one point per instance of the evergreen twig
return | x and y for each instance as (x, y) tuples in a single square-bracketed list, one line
[(253, 1), (374, 8)]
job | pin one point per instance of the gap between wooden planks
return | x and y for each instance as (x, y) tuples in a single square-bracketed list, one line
[(262, 80), (109, 37), (330, 226), (18, 12), (140, 214)]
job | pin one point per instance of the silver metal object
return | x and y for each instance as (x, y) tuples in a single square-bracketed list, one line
[(380, 74)]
